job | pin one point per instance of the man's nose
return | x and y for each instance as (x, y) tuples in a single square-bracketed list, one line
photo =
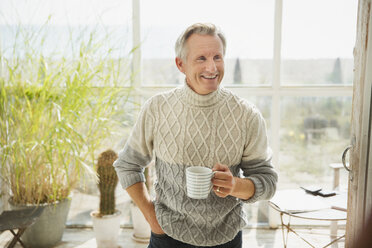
[(211, 66)]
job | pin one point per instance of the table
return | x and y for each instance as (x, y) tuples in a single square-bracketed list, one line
[(18, 219), (298, 204)]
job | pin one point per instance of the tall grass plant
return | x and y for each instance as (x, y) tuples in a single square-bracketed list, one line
[(56, 111)]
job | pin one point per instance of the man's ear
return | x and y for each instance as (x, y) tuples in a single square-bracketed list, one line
[(180, 65)]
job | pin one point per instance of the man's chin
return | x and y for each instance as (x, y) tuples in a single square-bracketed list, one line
[(207, 89), (203, 87)]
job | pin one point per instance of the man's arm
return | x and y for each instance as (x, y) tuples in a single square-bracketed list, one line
[(130, 165), (139, 194), (256, 159)]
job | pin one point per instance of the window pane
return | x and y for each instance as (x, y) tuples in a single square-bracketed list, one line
[(317, 41), (248, 26), (61, 33), (314, 132), (65, 24)]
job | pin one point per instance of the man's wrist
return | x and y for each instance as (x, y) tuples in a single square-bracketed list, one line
[(243, 188), (149, 211)]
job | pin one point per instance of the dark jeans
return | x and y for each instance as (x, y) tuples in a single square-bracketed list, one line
[(164, 241)]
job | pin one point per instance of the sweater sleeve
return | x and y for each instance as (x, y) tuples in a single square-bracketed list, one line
[(256, 161), (137, 152)]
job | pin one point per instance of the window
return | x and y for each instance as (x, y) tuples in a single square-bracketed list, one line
[(314, 132), (317, 51), (292, 58), (296, 68), (317, 42), (248, 26)]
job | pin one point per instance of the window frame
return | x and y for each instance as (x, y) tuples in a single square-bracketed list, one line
[(276, 91)]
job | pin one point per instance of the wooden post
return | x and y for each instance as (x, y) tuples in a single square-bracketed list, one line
[(336, 174), (360, 125)]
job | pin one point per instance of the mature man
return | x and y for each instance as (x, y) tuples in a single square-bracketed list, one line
[(198, 124)]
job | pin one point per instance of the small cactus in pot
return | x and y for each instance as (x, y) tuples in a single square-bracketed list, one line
[(108, 181), (106, 221)]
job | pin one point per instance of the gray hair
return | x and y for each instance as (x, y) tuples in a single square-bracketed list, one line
[(197, 28)]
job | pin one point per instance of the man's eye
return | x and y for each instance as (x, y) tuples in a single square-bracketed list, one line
[(217, 57), (201, 59)]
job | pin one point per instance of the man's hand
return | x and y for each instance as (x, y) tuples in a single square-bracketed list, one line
[(151, 219), (223, 180), (139, 194), (224, 184)]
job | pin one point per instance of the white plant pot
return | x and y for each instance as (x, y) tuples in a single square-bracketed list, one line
[(141, 228), (106, 229)]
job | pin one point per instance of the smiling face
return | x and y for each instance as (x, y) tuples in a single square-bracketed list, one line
[(204, 65)]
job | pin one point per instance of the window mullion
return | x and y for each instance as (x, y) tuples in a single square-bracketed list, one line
[(275, 101), (136, 60)]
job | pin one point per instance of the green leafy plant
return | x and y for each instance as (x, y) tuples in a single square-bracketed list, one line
[(55, 113), (107, 182)]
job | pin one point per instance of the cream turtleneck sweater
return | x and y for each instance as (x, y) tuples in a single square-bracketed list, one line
[(180, 128)]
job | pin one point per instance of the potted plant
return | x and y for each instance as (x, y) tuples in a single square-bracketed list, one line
[(55, 112), (106, 221)]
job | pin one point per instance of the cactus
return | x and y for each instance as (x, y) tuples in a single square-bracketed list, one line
[(107, 182)]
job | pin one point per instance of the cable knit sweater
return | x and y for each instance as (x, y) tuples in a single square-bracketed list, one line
[(180, 128)]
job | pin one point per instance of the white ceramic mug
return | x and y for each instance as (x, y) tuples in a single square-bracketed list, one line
[(198, 182)]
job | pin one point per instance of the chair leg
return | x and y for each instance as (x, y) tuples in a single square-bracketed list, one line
[(17, 238), (334, 227)]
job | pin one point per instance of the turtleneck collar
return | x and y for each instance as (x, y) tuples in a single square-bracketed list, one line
[(190, 97)]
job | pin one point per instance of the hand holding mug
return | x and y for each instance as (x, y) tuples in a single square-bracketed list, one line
[(223, 181)]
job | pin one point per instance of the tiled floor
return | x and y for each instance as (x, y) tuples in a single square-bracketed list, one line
[(252, 238)]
